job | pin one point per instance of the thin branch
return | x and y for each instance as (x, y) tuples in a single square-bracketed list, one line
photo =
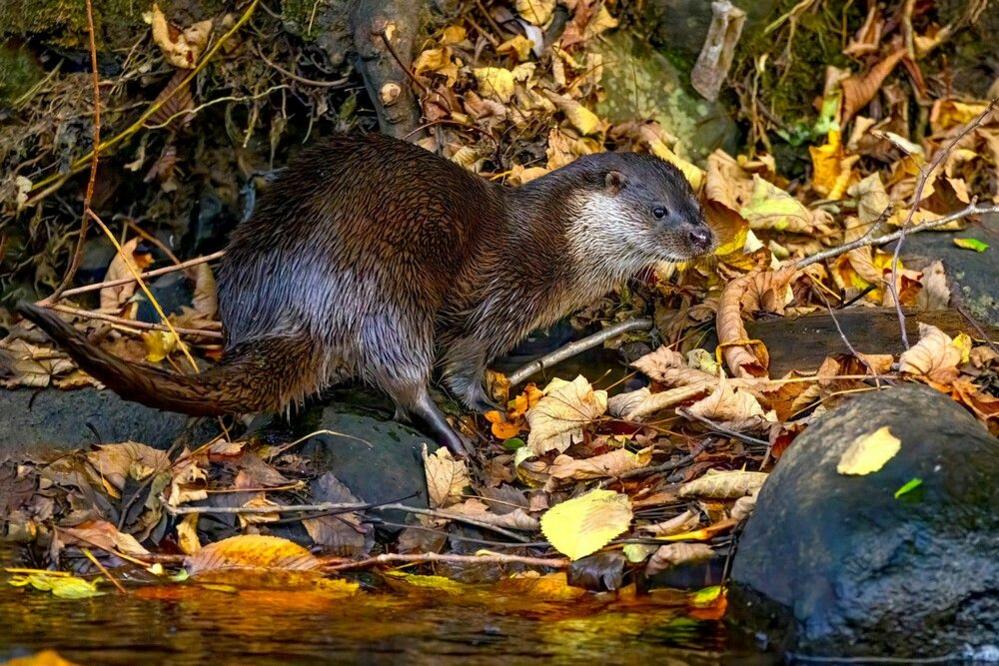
[(345, 507), (971, 209), (496, 558), (917, 199), (145, 276), (577, 347), (301, 79), (77, 257), (131, 323), (103, 569), (717, 427)]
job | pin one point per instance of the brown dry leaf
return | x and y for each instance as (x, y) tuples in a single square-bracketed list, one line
[(345, 534), (684, 522), (118, 462), (723, 485), (936, 356), (518, 519), (675, 554), (101, 534), (252, 551), (558, 419), (206, 297), (181, 48), (612, 464), (636, 405), (985, 406), (259, 502), (935, 294), (743, 507), (189, 482), (860, 89), (25, 364), (728, 404), (113, 298), (754, 291), (447, 478)]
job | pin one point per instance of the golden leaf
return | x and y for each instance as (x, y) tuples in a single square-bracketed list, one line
[(583, 525), (447, 478), (535, 11), (252, 551), (181, 48), (869, 453), (557, 420)]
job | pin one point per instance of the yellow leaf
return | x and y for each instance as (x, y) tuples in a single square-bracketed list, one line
[(869, 453), (535, 11), (654, 139), (581, 118), (159, 344), (772, 208), (583, 525), (495, 82), (43, 658), (518, 46), (948, 113), (454, 34), (438, 61), (557, 420), (252, 551), (187, 534), (832, 167)]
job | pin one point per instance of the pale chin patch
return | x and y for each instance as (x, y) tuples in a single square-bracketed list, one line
[(603, 236)]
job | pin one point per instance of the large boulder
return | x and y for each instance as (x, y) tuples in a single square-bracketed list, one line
[(836, 565)]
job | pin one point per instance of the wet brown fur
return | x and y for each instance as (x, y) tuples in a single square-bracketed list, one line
[(371, 258)]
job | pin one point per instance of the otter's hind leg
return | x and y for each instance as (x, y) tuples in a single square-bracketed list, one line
[(398, 359)]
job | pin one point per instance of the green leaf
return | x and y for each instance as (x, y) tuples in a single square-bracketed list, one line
[(971, 244), (583, 525), (638, 552), (908, 487), (513, 443), (705, 595), (60, 585), (770, 207)]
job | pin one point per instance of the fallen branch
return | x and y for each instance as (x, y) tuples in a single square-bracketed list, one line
[(145, 276), (970, 209), (344, 507), (577, 347), (418, 558), (131, 323)]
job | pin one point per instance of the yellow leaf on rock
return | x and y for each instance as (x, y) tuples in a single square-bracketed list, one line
[(583, 525), (869, 453), (558, 419)]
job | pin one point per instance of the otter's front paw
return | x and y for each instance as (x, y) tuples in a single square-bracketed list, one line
[(477, 400)]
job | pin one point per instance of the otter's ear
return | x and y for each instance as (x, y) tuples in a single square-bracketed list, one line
[(615, 181)]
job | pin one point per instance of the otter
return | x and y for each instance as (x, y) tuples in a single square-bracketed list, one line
[(371, 258)]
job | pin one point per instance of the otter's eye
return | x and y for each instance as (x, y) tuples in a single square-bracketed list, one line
[(659, 212)]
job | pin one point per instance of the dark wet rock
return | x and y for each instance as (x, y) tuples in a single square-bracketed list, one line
[(837, 565), (97, 255), (379, 460), (172, 291), (971, 274), (51, 419)]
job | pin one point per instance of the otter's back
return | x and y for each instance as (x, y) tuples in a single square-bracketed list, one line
[(358, 226)]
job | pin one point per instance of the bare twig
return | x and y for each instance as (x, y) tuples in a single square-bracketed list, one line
[(74, 261), (102, 568), (971, 209), (416, 558), (717, 427), (577, 347), (301, 79), (145, 276), (131, 323), (917, 199), (345, 507)]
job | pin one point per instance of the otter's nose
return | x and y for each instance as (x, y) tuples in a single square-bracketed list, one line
[(701, 237)]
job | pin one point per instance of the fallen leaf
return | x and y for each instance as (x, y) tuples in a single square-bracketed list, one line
[(558, 419), (62, 586), (518, 519), (535, 11), (832, 167), (770, 207), (674, 554), (935, 294), (935, 357), (726, 403), (113, 298), (611, 464), (159, 344), (860, 89), (187, 534), (43, 658), (447, 478), (684, 522), (251, 551), (724, 485), (101, 534), (869, 453), (908, 487), (583, 525), (119, 462), (971, 244)]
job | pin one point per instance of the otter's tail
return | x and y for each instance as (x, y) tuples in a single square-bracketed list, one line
[(264, 375)]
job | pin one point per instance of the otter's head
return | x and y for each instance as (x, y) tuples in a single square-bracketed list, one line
[(637, 210)]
